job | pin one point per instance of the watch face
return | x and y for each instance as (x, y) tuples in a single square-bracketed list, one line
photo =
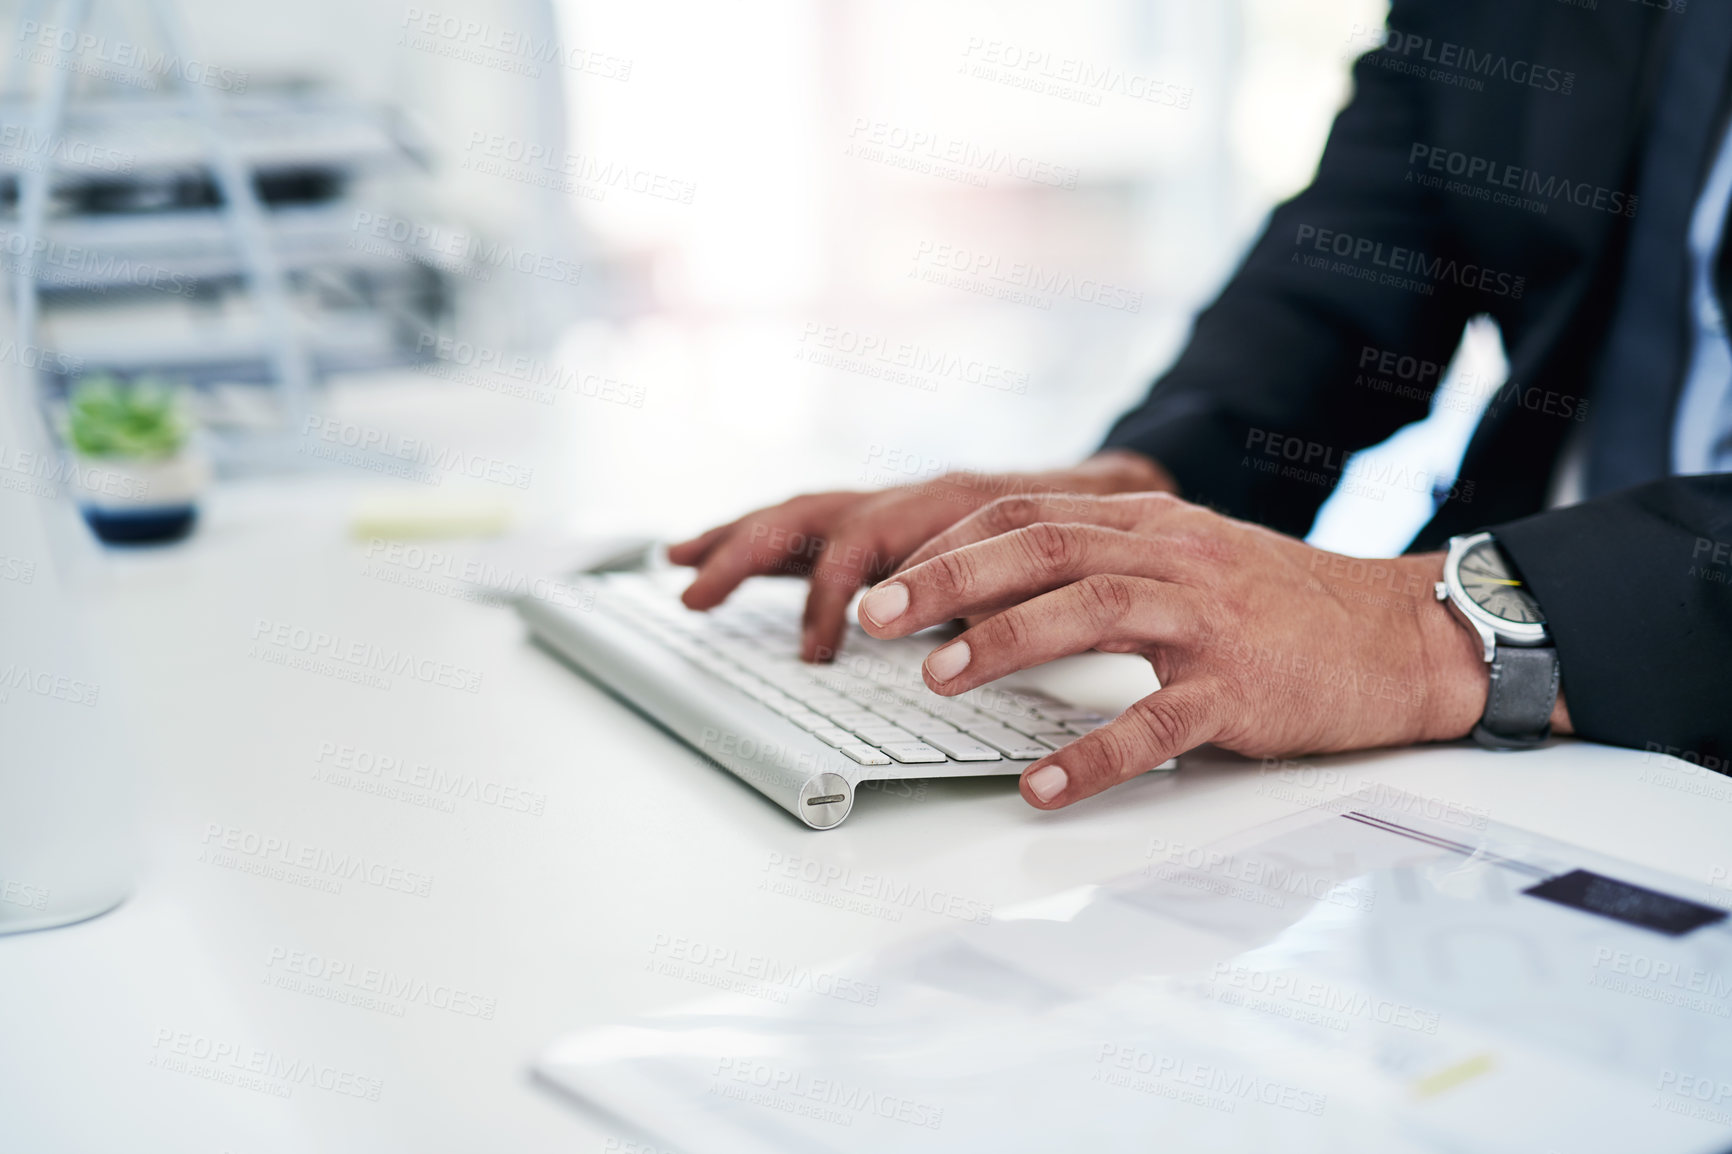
[(1488, 582)]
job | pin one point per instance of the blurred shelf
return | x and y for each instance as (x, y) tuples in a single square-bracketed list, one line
[(199, 246), (227, 343), (140, 268), (145, 141)]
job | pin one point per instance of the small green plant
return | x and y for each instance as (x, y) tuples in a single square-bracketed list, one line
[(145, 419)]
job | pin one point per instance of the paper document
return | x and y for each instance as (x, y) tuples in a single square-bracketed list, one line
[(1381, 974)]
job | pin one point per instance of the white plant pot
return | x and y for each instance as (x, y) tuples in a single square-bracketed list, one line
[(139, 501)]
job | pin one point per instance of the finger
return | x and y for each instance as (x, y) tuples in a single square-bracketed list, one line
[(1010, 513), (1166, 723), (856, 555), (692, 552), (1101, 610), (777, 541), (1005, 570), (866, 548)]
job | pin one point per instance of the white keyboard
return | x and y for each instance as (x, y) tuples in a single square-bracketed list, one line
[(729, 683), (871, 704)]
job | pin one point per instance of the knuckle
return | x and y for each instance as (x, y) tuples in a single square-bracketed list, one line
[(1198, 549), (1160, 723), (1154, 508), (1011, 512), (842, 547), (1108, 597), (1113, 751), (950, 575), (1194, 628), (1052, 547), (1007, 632)]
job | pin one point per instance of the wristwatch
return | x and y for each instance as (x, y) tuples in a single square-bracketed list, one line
[(1490, 596)]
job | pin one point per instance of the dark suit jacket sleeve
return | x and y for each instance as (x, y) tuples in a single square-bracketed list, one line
[(1279, 353), (1637, 591)]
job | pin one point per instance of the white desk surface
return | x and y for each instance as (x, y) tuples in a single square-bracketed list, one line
[(556, 916)]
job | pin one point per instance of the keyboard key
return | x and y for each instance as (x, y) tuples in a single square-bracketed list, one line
[(1033, 726), (882, 735), (1080, 727), (712, 664), (836, 737), (1008, 741), (810, 722), (829, 679), (782, 703), (1038, 700), (870, 696), (1009, 718), (905, 717), (1068, 714), (914, 753), (959, 715), (1056, 740), (962, 748), (866, 755), (855, 718), (756, 690), (804, 695), (931, 727)]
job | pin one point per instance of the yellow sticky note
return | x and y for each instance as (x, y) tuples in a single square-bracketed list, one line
[(1450, 1077), (404, 516)]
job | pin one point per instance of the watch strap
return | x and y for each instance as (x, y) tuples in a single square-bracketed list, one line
[(1524, 687)]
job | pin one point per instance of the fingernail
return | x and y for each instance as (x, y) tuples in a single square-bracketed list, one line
[(1048, 782), (947, 662), (885, 603)]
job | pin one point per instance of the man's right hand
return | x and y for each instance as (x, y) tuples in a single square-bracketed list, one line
[(844, 540)]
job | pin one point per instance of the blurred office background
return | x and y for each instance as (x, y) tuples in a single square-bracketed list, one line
[(654, 262)]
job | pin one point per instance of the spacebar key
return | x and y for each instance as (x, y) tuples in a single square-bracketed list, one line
[(913, 753), (961, 747)]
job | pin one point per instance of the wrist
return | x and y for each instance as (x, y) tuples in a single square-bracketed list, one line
[(1456, 677)]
